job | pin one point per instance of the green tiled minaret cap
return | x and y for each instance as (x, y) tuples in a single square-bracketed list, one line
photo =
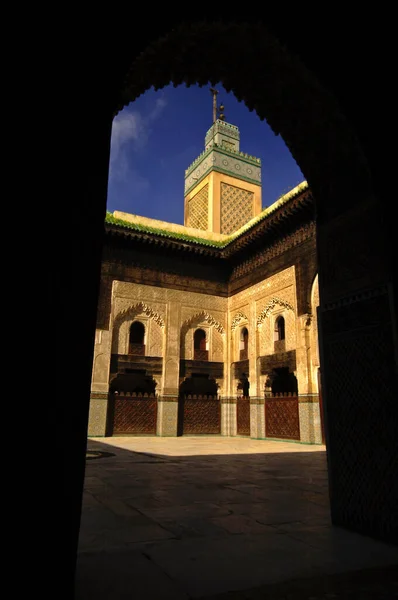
[(223, 134)]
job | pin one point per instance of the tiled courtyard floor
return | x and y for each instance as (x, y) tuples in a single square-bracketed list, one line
[(225, 518)]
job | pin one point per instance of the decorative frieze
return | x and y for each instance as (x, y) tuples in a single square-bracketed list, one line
[(266, 289)]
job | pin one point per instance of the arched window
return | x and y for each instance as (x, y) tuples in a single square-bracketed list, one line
[(137, 339), (200, 345), (279, 329), (244, 344)]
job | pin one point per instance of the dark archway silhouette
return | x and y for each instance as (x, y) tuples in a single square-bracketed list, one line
[(284, 382), (134, 382), (357, 265)]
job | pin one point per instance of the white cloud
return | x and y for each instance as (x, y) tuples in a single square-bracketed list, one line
[(130, 133), (158, 109)]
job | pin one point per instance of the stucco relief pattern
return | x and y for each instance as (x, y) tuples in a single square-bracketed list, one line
[(270, 306), (264, 338), (240, 317), (193, 303), (217, 350), (203, 317), (155, 343), (127, 309), (290, 330), (268, 287)]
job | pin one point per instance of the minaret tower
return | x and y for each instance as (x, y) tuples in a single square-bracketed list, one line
[(223, 185)]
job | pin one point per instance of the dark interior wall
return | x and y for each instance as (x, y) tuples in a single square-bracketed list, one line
[(351, 56)]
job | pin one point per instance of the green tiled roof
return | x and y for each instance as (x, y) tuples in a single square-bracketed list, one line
[(111, 220)]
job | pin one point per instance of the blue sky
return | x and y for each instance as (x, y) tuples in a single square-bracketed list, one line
[(158, 136)]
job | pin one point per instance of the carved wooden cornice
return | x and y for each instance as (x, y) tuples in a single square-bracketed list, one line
[(300, 235)]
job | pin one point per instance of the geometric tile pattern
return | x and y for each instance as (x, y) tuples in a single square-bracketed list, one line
[(97, 416), (198, 209), (236, 207), (310, 423)]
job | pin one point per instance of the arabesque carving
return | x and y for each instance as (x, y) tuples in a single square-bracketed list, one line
[(271, 304), (240, 316), (140, 308), (203, 316)]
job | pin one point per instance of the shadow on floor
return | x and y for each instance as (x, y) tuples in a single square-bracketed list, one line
[(202, 526)]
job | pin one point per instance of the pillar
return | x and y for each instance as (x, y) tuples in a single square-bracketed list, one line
[(308, 398), (168, 401)]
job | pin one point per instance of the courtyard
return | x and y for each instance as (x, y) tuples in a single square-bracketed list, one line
[(217, 517)]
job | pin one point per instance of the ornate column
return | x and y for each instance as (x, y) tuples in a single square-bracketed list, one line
[(257, 417), (168, 399), (229, 406), (99, 395), (309, 415)]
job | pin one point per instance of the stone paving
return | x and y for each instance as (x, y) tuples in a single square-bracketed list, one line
[(220, 518)]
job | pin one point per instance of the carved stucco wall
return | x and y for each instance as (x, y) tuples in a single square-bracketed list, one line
[(257, 308), (171, 316), (154, 334), (187, 311), (212, 325)]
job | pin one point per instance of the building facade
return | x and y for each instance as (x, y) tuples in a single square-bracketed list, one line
[(211, 327)]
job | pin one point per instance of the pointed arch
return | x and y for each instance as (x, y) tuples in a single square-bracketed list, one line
[(199, 318), (137, 309), (270, 306), (240, 316)]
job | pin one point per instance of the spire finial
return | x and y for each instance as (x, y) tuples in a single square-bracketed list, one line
[(214, 92)]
